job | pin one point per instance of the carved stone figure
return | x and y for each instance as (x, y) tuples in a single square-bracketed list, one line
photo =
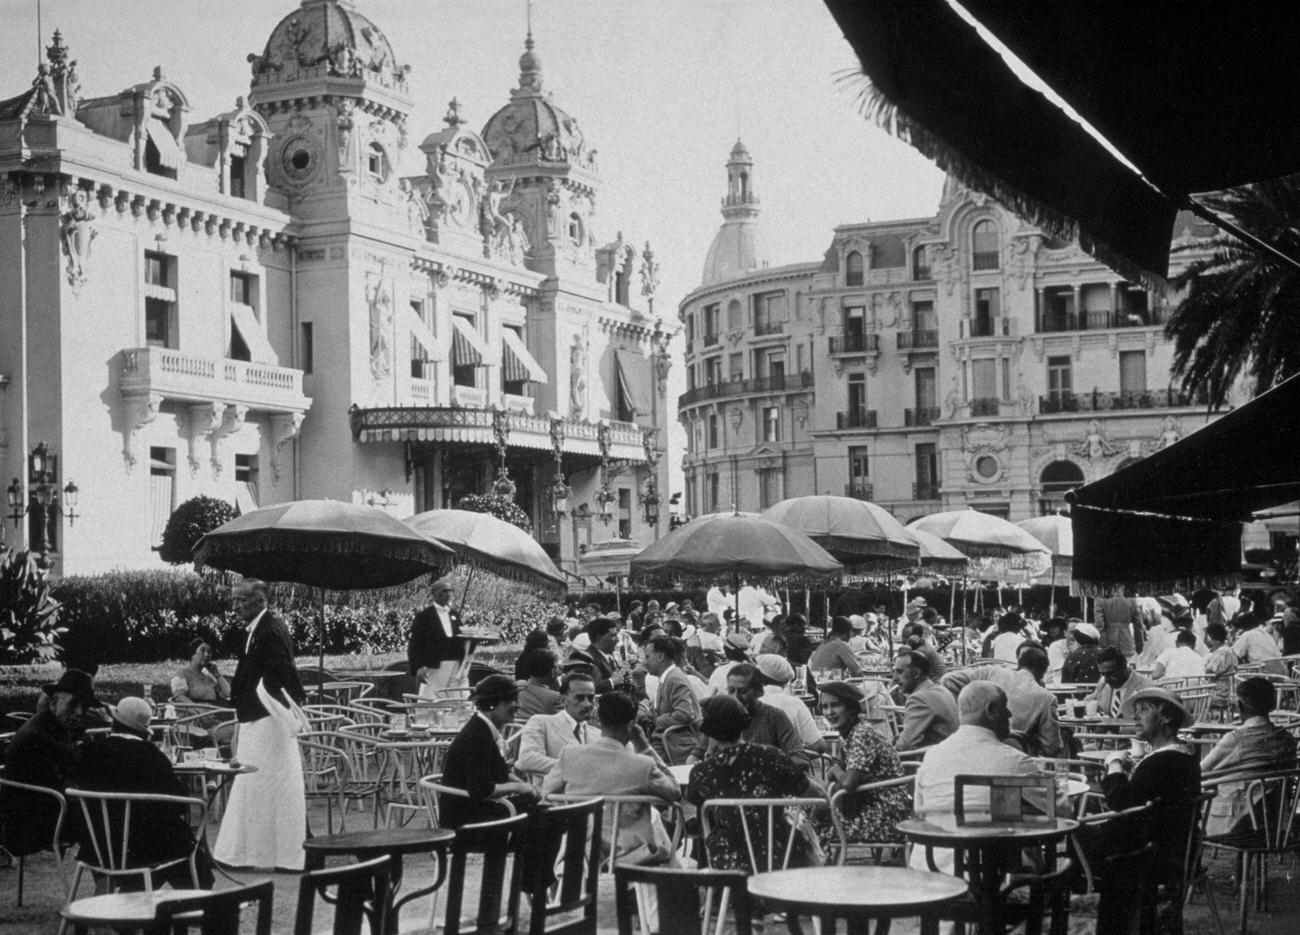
[(1168, 433), (952, 401), (78, 234), (577, 377), (1024, 398), (47, 102), (345, 124), (649, 271), (737, 418), (1095, 446), (381, 320)]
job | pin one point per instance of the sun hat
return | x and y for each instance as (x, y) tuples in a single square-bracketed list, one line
[(78, 684), (857, 621), (775, 668), (1156, 694), (133, 713), (838, 689)]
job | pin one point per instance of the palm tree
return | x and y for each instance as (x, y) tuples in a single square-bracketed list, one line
[(1241, 313)]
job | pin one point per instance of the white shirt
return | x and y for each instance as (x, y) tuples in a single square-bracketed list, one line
[(251, 627), (1181, 662), (795, 710), (443, 615), (1005, 645), (573, 723)]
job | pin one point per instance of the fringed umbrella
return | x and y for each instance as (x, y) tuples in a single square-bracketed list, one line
[(1056, 533), (937, 555), (857, 532), (327, 544)]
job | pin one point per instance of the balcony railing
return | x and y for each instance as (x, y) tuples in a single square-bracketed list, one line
[(988, 327), (915, 340), (855, 344), (738, 387), (1098, 401), (1100, 319), (925, 415), (762, 328), (856, 419), (859, 490), (984, 407), (927, 491), (174, 375), (710, 339)]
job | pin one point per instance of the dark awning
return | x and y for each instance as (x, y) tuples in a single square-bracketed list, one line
[(1173, 520), (1193, 92)]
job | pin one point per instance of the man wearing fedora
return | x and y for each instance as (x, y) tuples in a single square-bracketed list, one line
[(44, 753), (126, 760), (435, 651)]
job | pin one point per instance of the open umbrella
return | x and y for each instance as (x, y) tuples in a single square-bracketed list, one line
[(737, 546), (480, 540), (326, 544), (937, 555), (856, 532), (1056, 533), (983, 535)]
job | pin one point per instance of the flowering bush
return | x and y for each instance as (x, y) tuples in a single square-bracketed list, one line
[(501, 507)]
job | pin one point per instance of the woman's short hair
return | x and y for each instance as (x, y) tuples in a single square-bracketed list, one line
[(1259, 693), (725, 718), (195, 644), (538, 664)]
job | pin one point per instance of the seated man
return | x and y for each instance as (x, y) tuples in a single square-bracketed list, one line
[(474, 761), (607, 765), (776, 675), (929, 715), (834, 654), (1257, 745), (127, 761), (1181, 661), (536, 694), (545, 735), (735, 649), (1033, 707), (914, 635), (1118, 682), (767, 724), (44, 753)]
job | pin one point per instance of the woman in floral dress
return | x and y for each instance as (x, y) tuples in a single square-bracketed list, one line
[(865, 757)]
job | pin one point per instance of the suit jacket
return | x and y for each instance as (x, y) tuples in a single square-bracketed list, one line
[(929, 716), (268, 658), (602, 667), (1033, 707), (42, 753), (1103, 693), (474, 763), (675, 704), (1120, 623), (606, 767), (429, 646), (542, 739)]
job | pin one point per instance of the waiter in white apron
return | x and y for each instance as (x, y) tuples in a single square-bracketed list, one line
[(436, 652)]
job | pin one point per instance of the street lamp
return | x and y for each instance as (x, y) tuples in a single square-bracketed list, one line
[(503, 486), (42, 498), (605, 496), (560, 491)]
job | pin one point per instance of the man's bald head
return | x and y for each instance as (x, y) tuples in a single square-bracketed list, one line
[(983, 704)]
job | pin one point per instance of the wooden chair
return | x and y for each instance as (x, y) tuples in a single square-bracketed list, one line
[(1176, 894), (57, 801), (759, 821), (363, 891), (577, 825), (496, 846), (435, 789), (681, 909), (873, 852), (108, 820), (218, 912)]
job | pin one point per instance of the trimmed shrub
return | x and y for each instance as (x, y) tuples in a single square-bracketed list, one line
[(502, 508), (189, 523), (29, 617)]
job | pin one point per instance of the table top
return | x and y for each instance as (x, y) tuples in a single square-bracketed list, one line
[(122, 908), (1072, 688), (1106, 723), (882, 890), (381, 841), (356, 675), (943, 830), (1210, 727), (213, 768), (420, 736)]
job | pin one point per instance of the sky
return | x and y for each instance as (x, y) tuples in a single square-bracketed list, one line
[(662, 88)]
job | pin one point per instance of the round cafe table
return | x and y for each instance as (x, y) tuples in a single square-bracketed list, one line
[(122, 912), (857, 894)]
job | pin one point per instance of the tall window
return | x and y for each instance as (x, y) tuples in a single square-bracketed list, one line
[(853, 269), (984, 246), (711, 329), (735, 316), (921, 263), (859, 472), (243, 300), (516, 387), (855, 322), (769, 487), (246, 482), (713, 370), (464, 363), (984, 378), (160, 326), (1132, 372), (927, 472), (690, 328), (715, 491), (238, 182), (769, 312), (772, 364), (623, 284), (987, 305), (926, 391), (162, 490), (306, 347), (1060, 378), (624, 513), (420, 363), (857, 393), (923, 317), (736, 366), (772, 424), (715, 436)]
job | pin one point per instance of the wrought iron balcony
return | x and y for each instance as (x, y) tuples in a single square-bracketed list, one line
[(1098, 401), (762, 328), (856, 419), (1051, 322), (1000, 327), (711, 339), (984, 407), (928, 491), (855, 344), (739, 387), (917, 340), (859, 490), (925, 415)]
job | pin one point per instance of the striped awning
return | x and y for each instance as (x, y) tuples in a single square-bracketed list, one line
[(519, 365), (468, 349), (170, 153)]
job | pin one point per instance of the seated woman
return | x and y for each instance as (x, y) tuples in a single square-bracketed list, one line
[(200, 681), (1256, 746), (865, 757), (740, 770)]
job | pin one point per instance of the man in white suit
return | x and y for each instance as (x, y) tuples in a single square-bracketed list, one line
[(545, 735)]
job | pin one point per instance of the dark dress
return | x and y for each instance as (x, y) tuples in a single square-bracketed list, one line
[(42, 753), (744, 771), (474, 763), (1081, 666)]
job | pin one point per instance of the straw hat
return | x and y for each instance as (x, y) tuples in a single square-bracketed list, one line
[(1157, 694)]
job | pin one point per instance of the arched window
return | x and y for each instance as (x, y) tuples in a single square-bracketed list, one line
[(853, 269), (921, 263), (1057, 479), (984, 245)]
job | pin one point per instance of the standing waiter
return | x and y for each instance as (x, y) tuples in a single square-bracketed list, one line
[(436, 651)]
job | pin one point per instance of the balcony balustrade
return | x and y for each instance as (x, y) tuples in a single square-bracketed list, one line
[(860, 490), (1000, 327), (855, 344), (174, 375), (1052, 322), (763, 328), (712, 339), (922, 416), (917, 340), (985, 407), (925, 491), (1098, 401), (741, 387), (856, 419)]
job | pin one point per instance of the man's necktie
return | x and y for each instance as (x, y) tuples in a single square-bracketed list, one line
[(1116, 705), (577, 732)]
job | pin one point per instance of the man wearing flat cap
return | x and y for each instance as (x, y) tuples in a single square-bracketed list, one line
[(44, 753), (435, 652), (475, 761)]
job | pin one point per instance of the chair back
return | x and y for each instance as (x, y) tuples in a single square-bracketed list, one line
[(111, 819), (15, 839), (1274, 798), (325, 775), (768, 828), (497, 846), (1006, 798), (876, 849), (347, 692), (577, 826), (617, 809), (681, 911), (1196, 701), (221, 910), (362, 891)]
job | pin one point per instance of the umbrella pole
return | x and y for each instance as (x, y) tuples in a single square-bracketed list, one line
[(465, 593), (1051, 595), (735, 596), (320, 685), (618, 596)]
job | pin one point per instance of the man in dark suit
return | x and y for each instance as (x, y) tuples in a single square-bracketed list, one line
[(267, 809), (474, 761), (603, 633), (675, 704), (127, 761), (435, 651)]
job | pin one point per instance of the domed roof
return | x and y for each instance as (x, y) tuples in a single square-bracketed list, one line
[(332, 35), (739, 247), (532, 125)]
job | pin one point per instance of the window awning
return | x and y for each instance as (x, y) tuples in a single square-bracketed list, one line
[(170, 153), (468, 349), (1173, 520), (245, 322), (420, 331), (519, 364), (634, 378)]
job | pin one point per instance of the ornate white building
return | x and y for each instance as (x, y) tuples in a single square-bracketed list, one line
[(930, 363), (260, 308)]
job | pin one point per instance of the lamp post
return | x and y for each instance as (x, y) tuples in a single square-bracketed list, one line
[(650, 499), (42, 501), (605, 496), (560, 491), (503, 486)]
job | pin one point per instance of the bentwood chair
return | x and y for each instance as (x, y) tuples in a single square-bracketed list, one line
[(57, 808), (619, 810), (362, 892), (681, 909), (496, 847), (770, 829), (577, 826), (875, 852), (218, 912)]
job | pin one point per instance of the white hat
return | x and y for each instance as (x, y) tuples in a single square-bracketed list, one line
[(1087, 629), (133, 712), (775, 668), (582, 642), (857, 621)]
